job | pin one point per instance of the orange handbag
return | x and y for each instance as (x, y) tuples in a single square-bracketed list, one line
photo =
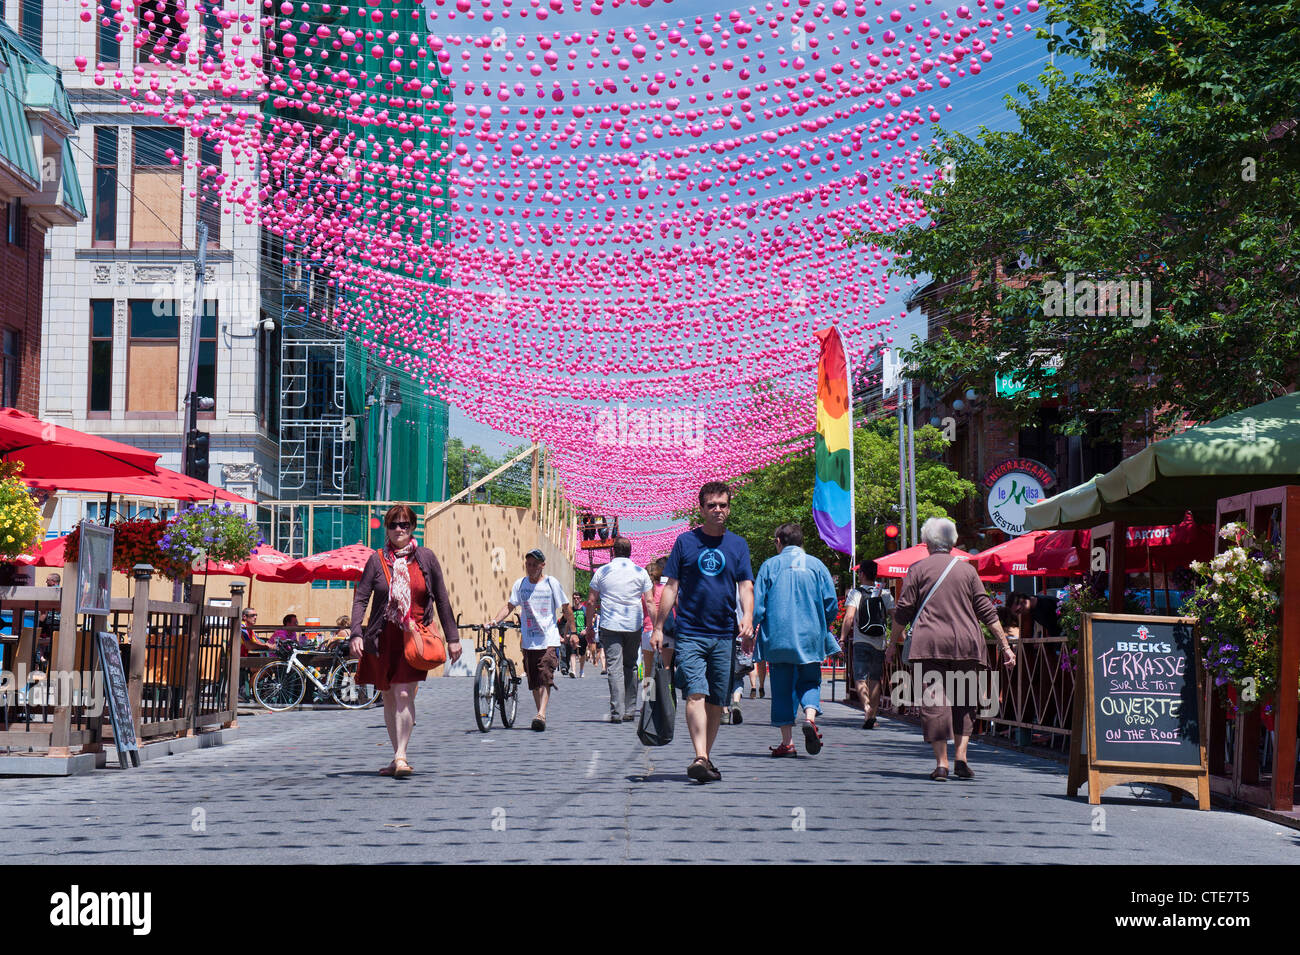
[(422, 646)]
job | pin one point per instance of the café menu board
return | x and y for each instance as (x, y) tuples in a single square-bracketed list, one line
[(117, 700), (1143, 700)]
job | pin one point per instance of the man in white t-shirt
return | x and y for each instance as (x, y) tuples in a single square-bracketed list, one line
[(865, 620), (541, 603), (622, 591)]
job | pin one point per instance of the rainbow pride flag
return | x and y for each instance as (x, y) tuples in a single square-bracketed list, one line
[(832, 505)]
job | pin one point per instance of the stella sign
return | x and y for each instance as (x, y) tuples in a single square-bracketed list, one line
[(1013, 486)]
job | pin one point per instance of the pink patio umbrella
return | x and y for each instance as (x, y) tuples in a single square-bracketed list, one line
[(344, 563)]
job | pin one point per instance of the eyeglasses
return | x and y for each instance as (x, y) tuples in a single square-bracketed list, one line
[(400, 526)]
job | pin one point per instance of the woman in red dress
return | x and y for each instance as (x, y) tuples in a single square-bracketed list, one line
[(406, 584)]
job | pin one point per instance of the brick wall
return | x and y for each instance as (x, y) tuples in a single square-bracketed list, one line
[(22, 271)]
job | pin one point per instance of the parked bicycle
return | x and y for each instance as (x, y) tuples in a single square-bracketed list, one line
[(496, 681), (282, 685)]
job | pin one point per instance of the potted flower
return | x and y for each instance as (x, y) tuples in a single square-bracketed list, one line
[(206, 532), (1240, 612), (135, 541), (20, 518)]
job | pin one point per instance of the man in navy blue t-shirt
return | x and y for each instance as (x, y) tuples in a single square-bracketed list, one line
[(708, 571)]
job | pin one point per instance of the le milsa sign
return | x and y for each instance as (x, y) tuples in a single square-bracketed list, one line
[(1012, 486)]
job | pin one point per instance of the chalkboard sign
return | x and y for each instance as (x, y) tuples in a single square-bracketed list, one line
[(117, 700), (1143, 700), (1137, 712)]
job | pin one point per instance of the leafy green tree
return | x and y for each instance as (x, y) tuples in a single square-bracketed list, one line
[(511, 488), (1173, 162), (783, 492)]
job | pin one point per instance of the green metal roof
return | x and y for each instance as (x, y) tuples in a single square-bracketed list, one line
[(30, 81)]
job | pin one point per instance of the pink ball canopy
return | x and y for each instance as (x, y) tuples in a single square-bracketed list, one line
[(595, 225)]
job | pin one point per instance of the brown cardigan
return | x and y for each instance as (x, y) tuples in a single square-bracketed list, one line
[(950, 627), (373, 581)]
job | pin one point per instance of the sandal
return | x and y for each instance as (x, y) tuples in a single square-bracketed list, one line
[(389, 769), (785, 749), (699, 770), (401, 769), (812, 738)]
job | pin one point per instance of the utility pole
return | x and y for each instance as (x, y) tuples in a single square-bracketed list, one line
[(196, 331), (902, 471), (911, 462)]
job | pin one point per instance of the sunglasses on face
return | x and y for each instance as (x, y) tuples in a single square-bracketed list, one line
[(400, 526)]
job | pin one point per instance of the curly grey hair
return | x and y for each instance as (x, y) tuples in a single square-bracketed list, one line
[(939, 535)]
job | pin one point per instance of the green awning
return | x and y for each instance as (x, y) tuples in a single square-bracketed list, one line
[(1245, 451)]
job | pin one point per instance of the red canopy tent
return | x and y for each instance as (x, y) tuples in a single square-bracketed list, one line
[(167, 484), (896, 565), (344, 563), (1066, 553), (53, 452)]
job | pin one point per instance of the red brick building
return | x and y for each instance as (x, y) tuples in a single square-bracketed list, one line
[(38, 189)]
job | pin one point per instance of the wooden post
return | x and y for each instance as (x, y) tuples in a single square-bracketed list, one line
[(1118, 569), (236, 643), (143, 574), (62, 658), (1289, 658), (192, 658), (532, 487)]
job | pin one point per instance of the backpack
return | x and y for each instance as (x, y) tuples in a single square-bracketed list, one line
[(871, 623)]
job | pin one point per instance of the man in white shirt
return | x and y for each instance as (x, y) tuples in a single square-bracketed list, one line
[(622, 591), (541, 603), (865, 622)]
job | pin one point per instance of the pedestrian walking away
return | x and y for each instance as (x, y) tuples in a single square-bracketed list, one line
[(794, 604), (865, 629), (403, 584), (621, 590), (944, 600), (709, 573), (542, 604)]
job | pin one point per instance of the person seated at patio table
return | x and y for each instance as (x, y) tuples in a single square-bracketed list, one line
[(249, 641), (342, 631), (1010, 621), (289, 630)]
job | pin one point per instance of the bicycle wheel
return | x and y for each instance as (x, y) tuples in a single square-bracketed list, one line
[(279, 686), (345, 689), (484, 689), (509, 695)]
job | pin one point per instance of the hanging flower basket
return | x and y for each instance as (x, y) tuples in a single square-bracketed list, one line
[(135, 541), (207, 532), (1237, 602), (20, 518)]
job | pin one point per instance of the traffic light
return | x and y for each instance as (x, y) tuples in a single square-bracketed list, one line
[(891, 538), (196, 454)]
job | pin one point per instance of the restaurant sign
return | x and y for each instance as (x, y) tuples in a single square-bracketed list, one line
[(1012, 487)]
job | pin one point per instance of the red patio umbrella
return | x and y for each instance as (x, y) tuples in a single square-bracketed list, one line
[(1064, 553), (265, 563), (896, 565), (46, 554), (344, 563), (53, 452), (166, 484), (1011, 557)]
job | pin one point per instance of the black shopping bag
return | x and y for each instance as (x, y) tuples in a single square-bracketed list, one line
[(658, 707)]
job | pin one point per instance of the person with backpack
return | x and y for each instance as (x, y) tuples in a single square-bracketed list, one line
[(866, 623), (542, 604)]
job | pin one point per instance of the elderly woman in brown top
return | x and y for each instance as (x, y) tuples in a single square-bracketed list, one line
[(944, 600), (407, 586)]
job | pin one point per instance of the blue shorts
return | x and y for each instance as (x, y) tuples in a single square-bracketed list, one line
[(703, 665)]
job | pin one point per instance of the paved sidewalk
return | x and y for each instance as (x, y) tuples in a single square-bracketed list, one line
[(301, 787)]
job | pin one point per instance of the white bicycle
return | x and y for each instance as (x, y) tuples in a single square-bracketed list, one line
[(282, 685)]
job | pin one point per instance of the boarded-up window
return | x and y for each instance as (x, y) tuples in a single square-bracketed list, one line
[(153, 355), (156, 185)]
